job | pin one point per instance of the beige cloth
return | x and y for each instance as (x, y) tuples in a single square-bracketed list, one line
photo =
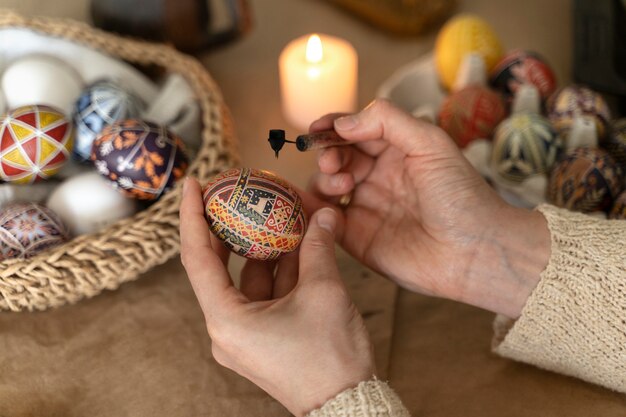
[(573, 323)]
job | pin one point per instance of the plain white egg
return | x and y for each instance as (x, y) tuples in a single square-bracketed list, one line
[(41, 79), (87, 203)]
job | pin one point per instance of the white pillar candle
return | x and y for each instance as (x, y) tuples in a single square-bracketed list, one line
[(318, 75)]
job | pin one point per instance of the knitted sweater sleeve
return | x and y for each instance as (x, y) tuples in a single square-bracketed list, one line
[(373, 398), (574, 322)]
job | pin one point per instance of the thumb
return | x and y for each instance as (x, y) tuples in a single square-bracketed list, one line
[(317, 251), (381, 120)]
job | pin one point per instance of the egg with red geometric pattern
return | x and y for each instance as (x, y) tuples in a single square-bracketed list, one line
[(255, 213), (520, 67), (35, 142), (27, 229), (471, 113)]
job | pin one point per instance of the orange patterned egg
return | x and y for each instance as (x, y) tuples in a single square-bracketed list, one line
[(255, 213), (142, 159)]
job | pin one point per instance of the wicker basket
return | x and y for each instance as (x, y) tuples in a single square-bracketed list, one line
[(88, 264)]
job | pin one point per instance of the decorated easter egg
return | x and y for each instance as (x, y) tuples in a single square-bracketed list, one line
[(586, 179), (101, 105), (255, 213), (87, 203), (615, 142), (35, 142), (524, 145), (619, 208), (142, 159), (520, 67), (462, 35), (471, 113), (574, 101), (41, 79), (27, 229)]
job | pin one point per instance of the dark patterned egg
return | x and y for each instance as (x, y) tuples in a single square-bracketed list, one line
[(100, 105), (255, 213), (619, 208), (27, 229), (573, 101), (520, 67), (142, 159), (615, 142), (35, 142), (471, 113), (586, 179), (524, 144)]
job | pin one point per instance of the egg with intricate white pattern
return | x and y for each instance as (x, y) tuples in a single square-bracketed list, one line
[(524, 145), (27, 229)]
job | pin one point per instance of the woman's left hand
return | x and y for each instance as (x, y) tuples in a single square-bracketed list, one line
[(291, 329)]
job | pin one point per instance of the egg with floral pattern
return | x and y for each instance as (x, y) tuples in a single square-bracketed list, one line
[(27, 229), (142, 159), (573, 101), (255, 213), (586, 180)]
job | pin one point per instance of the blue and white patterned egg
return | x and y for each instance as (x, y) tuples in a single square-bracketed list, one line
[(524, 145), (27, 229), (100, 105)]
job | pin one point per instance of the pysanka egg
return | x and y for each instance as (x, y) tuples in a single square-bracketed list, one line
[(462, 35), (100, 105), (27, 229), (141, 158), (524, 144), (255, 213), (615, 142), (574, 101), (619, 208), (35, 142), (520, 67), (586, 179), (471, 113)]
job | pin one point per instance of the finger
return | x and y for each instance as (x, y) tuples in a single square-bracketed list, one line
[(317, 250), (346, 159), (311, 203), (207, 273), (381, 120), (325, 122), (257, 278), (286, 275), (325, 186)]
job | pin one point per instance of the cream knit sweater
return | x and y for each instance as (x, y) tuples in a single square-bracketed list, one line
[(574, 322)]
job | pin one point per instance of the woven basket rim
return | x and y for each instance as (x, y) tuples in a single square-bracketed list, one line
[(88, 264)]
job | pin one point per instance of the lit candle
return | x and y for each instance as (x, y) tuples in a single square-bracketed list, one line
[(318, 75)]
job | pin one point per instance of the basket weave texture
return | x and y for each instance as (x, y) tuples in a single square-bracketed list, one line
[(88, 264)]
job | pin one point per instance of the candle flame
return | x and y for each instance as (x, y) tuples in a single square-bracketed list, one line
[(314, 50)]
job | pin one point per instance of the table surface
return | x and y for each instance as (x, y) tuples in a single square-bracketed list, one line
[(142, 350)]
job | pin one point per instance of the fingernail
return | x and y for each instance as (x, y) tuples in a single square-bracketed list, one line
[(327, 219), (346, 122), (336, 181)]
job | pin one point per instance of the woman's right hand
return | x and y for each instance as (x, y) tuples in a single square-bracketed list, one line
[(421, 214)]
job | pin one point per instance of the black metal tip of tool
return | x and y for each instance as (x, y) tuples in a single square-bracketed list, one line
[(277, 140)]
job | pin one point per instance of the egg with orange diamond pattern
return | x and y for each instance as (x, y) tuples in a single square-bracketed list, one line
[(255, 213), (35, 142)]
